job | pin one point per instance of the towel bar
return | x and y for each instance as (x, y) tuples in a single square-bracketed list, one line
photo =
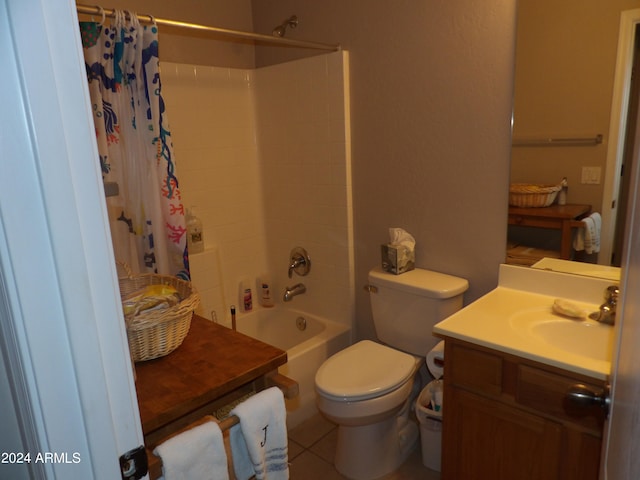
[(289, 389), (557, 141), (228, 422)]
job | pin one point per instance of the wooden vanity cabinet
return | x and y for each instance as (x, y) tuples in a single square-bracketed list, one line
[(506, 418)]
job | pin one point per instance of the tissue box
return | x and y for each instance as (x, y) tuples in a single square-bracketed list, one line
[(397, 259)]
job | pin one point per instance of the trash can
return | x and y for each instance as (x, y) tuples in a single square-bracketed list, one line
[(429, 413)]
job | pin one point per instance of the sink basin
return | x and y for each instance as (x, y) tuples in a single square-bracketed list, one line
[(517, 318), (586, 338)]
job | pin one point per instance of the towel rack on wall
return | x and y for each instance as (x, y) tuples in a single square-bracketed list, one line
[(558, 141)]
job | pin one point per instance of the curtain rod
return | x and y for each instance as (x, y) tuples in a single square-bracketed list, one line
[(96, 10)]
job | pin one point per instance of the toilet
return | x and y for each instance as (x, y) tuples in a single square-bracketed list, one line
[(367, 389)]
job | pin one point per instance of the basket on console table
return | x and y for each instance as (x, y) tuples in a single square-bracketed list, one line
[(531, 195), (156, 333)]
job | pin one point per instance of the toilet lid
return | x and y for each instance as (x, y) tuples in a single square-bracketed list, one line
[(364, 370)]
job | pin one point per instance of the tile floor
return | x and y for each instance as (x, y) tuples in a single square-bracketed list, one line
[(312, 447)]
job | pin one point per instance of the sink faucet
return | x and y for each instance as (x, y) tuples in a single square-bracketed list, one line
[(290, 292), (607, 313)]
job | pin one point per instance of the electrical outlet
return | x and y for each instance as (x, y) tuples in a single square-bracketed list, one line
[(591, 175)]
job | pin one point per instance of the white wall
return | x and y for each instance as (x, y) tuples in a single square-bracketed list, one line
[(264, 156), (211, 116), (305, 150)]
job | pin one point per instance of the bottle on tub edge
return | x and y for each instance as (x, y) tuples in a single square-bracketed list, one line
[(265, 294), (195, 238), (246, 297)]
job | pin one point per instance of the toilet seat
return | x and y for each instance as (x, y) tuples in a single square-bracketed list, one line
[(363, 371)]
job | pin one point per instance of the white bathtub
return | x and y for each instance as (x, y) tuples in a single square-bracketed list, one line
[(306, 349)]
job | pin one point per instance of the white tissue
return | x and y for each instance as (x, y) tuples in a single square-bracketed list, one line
[(398, 256), (398, 236)]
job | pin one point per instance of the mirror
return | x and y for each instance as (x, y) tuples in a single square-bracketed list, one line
[(572, 92)]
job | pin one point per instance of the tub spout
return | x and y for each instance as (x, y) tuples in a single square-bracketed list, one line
[(290, 292)]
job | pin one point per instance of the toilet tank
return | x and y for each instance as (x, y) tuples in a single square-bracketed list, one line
[(406, 307)]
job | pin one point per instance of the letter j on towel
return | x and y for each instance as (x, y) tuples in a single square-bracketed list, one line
[(259, 443)]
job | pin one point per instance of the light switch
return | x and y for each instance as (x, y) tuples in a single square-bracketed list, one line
[(591, 175)]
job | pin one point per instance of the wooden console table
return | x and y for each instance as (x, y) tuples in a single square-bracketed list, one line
[(213, 367), (558, 217)]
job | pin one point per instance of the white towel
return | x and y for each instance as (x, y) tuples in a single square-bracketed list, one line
[(259, 443), (588, 238), (197, 454)]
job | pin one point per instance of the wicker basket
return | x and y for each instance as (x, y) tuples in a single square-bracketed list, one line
[(532, 195), (156, 333)]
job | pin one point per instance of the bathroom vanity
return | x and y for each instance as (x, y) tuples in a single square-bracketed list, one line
[(510, 363), (213, 367), (505, 417)]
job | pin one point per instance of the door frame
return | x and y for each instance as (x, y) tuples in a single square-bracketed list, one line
[(63, 336)]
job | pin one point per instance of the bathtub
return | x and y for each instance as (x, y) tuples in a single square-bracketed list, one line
[(308, 340)]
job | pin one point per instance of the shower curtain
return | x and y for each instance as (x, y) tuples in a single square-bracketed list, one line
[(134, 143)]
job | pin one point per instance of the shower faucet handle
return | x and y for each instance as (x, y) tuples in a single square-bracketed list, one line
[(299, 262)]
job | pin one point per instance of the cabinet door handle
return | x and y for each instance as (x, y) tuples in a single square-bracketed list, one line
[(581, 400)]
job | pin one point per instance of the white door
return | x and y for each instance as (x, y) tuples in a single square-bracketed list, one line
[(62, 335), (621, 451)]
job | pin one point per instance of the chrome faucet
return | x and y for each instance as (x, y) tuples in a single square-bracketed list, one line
[(295, 263), (299, 262), (290, 292), (607, 312)]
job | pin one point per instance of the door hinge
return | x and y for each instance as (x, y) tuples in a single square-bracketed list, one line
[(134, 464)]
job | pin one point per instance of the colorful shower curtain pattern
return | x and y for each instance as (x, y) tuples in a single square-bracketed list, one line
[(147, 218)]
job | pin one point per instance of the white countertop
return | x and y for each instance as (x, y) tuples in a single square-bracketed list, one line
[(493, 320)]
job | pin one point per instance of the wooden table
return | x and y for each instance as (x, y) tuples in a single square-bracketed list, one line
[(213, 367), (558, 217)]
